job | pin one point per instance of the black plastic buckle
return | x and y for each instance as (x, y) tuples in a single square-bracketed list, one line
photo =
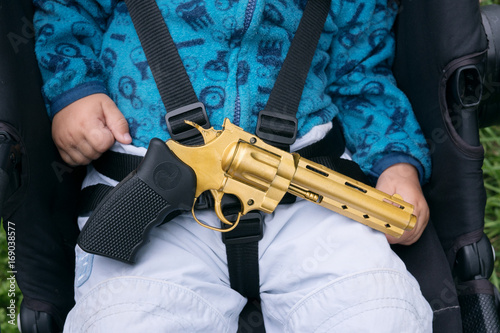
[(181, 131), (274, 127), (250, 229)]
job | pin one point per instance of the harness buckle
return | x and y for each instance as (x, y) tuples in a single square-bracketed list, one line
[(176, 125), (249, 229), (274, 127)]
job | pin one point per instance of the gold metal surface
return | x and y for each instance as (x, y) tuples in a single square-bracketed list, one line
[(236, 162)]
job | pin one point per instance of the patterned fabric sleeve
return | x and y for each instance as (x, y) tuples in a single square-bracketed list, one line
[(68, 41), (378, 122)]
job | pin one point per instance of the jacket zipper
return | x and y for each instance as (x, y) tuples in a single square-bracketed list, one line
[(246, 24)]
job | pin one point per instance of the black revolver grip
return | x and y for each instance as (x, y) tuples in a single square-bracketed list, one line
[(160, 186)]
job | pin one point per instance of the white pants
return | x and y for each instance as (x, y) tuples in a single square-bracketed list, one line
[(319, 272)]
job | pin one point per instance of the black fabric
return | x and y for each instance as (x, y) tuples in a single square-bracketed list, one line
[(42, 210), (169, 73), (427, 262), (287, 90), (243, 265), (456, 166), (92, 196), (446, 35), (251, 319), (116, 165), (277, 123), (166, 65), (242, 249), (332, 144)]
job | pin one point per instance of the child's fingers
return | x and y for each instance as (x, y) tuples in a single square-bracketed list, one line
[(93, 152), (98, 139), (403, 180), (74, 157), (96, 142), (88, 127), (421, 210), (82, 149), (116, 123)]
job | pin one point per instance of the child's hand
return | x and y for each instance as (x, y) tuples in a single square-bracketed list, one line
[(85, 129), (402, 178)]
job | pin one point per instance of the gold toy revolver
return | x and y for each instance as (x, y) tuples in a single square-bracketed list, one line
[(172, 176)]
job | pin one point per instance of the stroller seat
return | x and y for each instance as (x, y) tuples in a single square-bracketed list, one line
[(445, 50)]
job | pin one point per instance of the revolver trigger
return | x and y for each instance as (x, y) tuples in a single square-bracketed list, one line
[(232, 224), (218, 210), (221, 216)]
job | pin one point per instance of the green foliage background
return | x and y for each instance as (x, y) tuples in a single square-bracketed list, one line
[(490, 137), (489, 2)]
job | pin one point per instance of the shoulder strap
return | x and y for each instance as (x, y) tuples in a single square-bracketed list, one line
[(171, 78), (277, 123)]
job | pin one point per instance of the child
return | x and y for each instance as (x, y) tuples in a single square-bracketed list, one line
[(318, 270)]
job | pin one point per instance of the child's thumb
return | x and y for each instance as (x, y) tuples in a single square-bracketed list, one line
[(117, 124)]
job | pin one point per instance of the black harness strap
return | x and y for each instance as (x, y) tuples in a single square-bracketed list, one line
[(91, 196), (169, 73), (277, 122), (116, 165)]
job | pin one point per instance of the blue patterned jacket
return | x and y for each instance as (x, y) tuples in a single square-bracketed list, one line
[(232, 51)]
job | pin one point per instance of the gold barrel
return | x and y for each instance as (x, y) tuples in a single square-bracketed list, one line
[(365, 204)]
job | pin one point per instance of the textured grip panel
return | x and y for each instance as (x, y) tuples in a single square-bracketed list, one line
[(161, 184), (136, 207)]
